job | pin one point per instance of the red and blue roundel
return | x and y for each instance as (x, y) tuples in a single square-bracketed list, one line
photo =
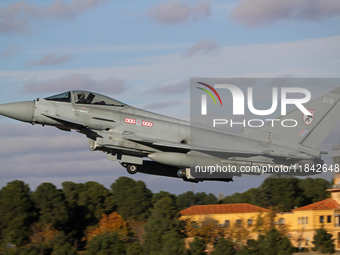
[(138, 122)]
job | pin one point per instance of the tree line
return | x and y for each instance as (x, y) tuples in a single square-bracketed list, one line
[(89, 217)]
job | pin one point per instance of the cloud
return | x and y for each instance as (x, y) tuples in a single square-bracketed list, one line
[(16, 17), (304, 58), (9, 52), (48, 153), (51, 59), (76, 81), (52, 140), (254, 13), (202, 48), (179, 11), (176, 88)]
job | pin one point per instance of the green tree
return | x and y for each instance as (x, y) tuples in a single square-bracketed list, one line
[(108, 243), (315, 190), (97, 199), (202, 198), (185, 200), (23, 250), (245, 197), (285, 193), (224, 247), (133, 198), (173, 243), (160, 195), (61, 246), (323, 241), (273, 243), (252, 248), (86, 203), (134, 249), (197, 247), (163, 219), (189, 198), (51, 205), (17, 213)]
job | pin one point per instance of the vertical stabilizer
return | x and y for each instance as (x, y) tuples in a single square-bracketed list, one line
[(311, 130)]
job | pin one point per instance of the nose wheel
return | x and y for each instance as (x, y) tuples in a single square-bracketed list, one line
[(131, 169)]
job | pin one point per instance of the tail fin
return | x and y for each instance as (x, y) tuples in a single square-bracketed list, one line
[(311, 130)]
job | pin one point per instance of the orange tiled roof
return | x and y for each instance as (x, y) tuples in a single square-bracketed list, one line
[(327, 204), (222, 209)]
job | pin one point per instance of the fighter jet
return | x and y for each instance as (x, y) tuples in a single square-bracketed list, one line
[(151, 143)]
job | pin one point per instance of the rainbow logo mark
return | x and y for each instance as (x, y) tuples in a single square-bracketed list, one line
[(209, 93), (204, 97)]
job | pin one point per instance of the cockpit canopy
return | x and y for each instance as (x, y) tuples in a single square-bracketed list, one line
[(85, 97)]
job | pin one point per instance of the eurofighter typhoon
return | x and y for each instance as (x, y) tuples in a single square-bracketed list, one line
[(151, 143)]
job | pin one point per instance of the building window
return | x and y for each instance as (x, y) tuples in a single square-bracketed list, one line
[(282, 221), (299, 220), (322, 220), (303, 220), (307, 241), (250, 222), (238, 222), (227, 223), (329, 219)]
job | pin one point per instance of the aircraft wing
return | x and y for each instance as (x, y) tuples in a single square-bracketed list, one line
[(65, 121), (171, 146), (73, 124)]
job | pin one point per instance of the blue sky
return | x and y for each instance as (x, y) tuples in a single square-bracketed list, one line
[(143, 53)]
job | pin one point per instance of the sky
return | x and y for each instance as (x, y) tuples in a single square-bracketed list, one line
[(144, 53)]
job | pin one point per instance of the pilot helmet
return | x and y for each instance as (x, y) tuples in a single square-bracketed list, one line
[(81, 95)]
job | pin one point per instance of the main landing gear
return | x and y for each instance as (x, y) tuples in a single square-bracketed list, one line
[(131, 168)]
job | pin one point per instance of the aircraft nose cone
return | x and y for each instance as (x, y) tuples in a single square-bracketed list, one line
[(22, 111)]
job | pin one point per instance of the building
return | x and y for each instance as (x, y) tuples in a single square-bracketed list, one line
[(300, 224), (239, 219), (224, 214), (307, 219)]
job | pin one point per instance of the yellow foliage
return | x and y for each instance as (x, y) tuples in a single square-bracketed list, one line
[(265, 222), (238, 233), (109, 223), (208, 230), (43, 233)]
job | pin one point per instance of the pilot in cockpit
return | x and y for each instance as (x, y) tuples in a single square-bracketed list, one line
[(81, 98)]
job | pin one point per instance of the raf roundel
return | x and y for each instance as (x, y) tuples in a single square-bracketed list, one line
[(138, 122)]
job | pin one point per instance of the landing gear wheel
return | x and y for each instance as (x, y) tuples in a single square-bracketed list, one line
[(132, 169)]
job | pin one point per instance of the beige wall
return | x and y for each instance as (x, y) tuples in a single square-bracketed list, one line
[(301, 225)]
